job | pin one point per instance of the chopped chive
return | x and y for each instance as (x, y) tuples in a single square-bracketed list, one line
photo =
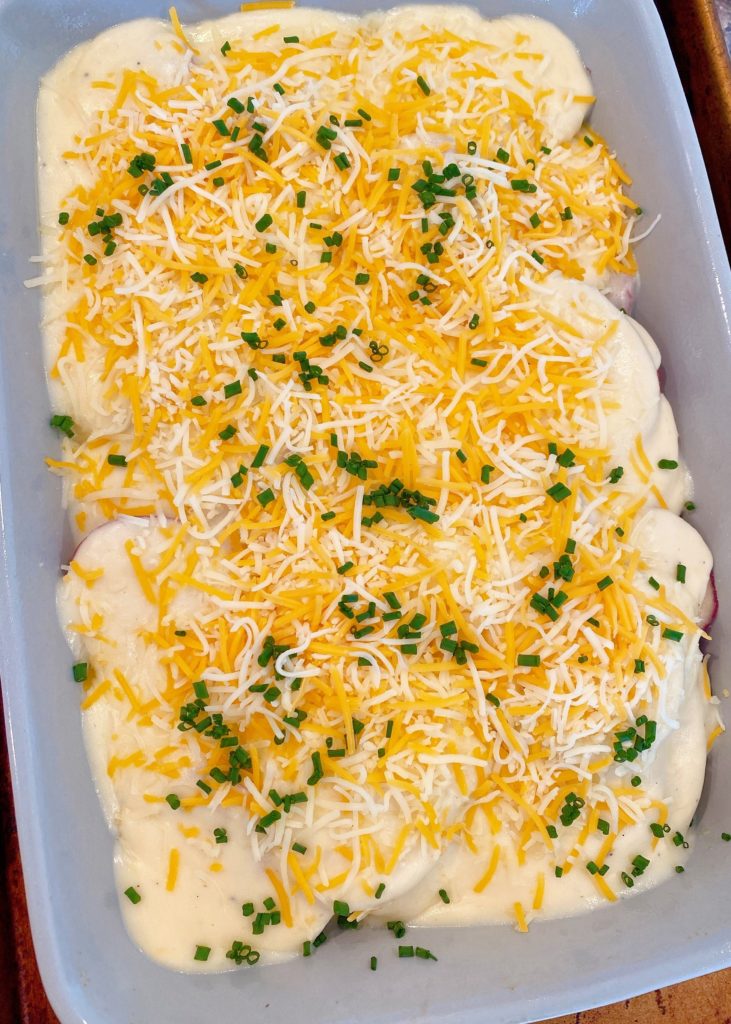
[(260, 456), (535, 220), (202, 953), (232, 389), (405, 951), (117, 460), (639, 666), (503, 155), (380, 890), (263, 223), (394, 173), (80, 671), (680, 573), (444, 896), (607, 581), (265, 497), (559, 492), (567, 214), (529, 660), (635, 781), (198, 277), (672, 634), (132, 895), (362, 278), (653, 583), (667, 464), (291, 39), (221, 127), (374, 963), (225, 48), (421, 82)]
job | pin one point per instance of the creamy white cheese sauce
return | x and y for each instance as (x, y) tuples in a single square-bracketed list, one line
[(202, 906), (205, 906)]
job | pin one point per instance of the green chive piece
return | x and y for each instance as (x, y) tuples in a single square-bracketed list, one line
[(607, 581), (173, 801), (667, 464), (559, 492), (132, 895), (80, 671), (680, 573), (117, 460), (529, 660), (265, 497), (421, 82), (374, 963), (202, 953), (260, 456), (443, 896)]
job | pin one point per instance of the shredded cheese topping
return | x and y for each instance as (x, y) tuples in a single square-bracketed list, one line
[(312, 332)]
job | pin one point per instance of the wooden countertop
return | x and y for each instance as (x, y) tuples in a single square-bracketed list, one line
[(702, 60)]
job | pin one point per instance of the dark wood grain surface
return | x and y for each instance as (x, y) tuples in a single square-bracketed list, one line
[(699, 48)]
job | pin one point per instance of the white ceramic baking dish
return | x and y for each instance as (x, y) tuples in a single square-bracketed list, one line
[(91, 970)]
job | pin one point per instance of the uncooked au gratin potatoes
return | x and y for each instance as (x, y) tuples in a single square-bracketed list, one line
[(382, 605)]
